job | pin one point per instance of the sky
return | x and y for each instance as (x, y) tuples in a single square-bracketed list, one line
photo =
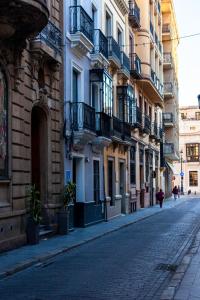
[(188, 19)]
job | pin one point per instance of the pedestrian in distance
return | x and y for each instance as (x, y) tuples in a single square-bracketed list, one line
[(175, 192), (160, 197)]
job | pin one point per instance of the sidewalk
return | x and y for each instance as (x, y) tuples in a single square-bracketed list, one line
[(24, 257), (185, 284)]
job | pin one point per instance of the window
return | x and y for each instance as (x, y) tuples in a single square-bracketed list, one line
[(132, 165), (193, 177), (183, 116), (119, 37), (96, 181), (197, 115), (192, 152), (94, 16), (3, 126), (147, 165)]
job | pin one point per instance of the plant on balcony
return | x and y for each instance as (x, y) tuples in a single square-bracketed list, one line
[(35, 214), (68, 197)]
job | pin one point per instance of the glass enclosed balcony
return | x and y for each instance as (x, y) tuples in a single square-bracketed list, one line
[(168, 90)]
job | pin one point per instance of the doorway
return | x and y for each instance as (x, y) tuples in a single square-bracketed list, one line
[(39, 156)]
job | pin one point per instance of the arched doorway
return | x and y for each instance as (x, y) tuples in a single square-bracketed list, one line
[(39, 155)]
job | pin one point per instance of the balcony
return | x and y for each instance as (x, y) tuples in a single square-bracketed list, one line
[(154, 130), (146, 124), (135, 66), (168, 90), (81, 30), (22, 19), (82, 122), (117, 128), (167, 60), (169, 151), (134, 15), (126, 131), (103, 131), (168, 119), (103, 124), (166, 32), (100, 50), (114, 53), (125, 66), (49, 43), (138, 119)]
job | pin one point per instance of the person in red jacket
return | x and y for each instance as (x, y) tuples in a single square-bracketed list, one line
[(160, 197), (175, 192)]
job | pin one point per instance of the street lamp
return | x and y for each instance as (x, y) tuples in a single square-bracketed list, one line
[(182, 174)]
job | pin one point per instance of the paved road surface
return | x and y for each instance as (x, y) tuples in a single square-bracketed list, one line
[(127, 264)]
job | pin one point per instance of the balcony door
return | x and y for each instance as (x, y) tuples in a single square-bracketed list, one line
[(111, 181), (108, 24)]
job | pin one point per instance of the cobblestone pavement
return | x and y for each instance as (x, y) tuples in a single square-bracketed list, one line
[(135, 262)]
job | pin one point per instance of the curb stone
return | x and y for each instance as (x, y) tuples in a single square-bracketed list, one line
[(170, 292), (51, 254)]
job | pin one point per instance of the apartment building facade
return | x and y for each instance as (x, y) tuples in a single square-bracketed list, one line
[(189, 163), (170, 39), (30, 55), (113, 106)]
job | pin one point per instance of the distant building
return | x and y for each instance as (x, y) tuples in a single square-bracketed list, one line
[(189, 140), (170, 42)]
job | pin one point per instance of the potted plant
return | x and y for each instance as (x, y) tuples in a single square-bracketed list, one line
[(34, 219), (68, 198)]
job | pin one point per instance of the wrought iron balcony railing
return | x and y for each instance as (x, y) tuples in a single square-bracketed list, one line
[(117, 127), (135, 65), (160, 47), (134, 15), (138, 117), (103, 124), (80, 21), (114, 49), (82, 116), (147, 124), (168, 118), (52, 37), (126, 130), (100, 43), (125, 62)]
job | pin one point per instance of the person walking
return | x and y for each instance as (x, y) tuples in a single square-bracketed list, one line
[(160, 197), (175, 192)]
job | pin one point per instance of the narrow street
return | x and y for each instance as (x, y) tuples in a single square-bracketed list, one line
[(127, 264)]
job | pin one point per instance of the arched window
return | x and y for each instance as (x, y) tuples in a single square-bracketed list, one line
[(3, 126)]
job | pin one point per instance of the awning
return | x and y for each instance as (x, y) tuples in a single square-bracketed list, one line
[(170, 166)]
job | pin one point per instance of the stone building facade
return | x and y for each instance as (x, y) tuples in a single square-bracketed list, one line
[(189, 148), (30, 110), (170, 40)]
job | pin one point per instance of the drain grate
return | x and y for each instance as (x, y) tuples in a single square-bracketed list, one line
[(167, 267)]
